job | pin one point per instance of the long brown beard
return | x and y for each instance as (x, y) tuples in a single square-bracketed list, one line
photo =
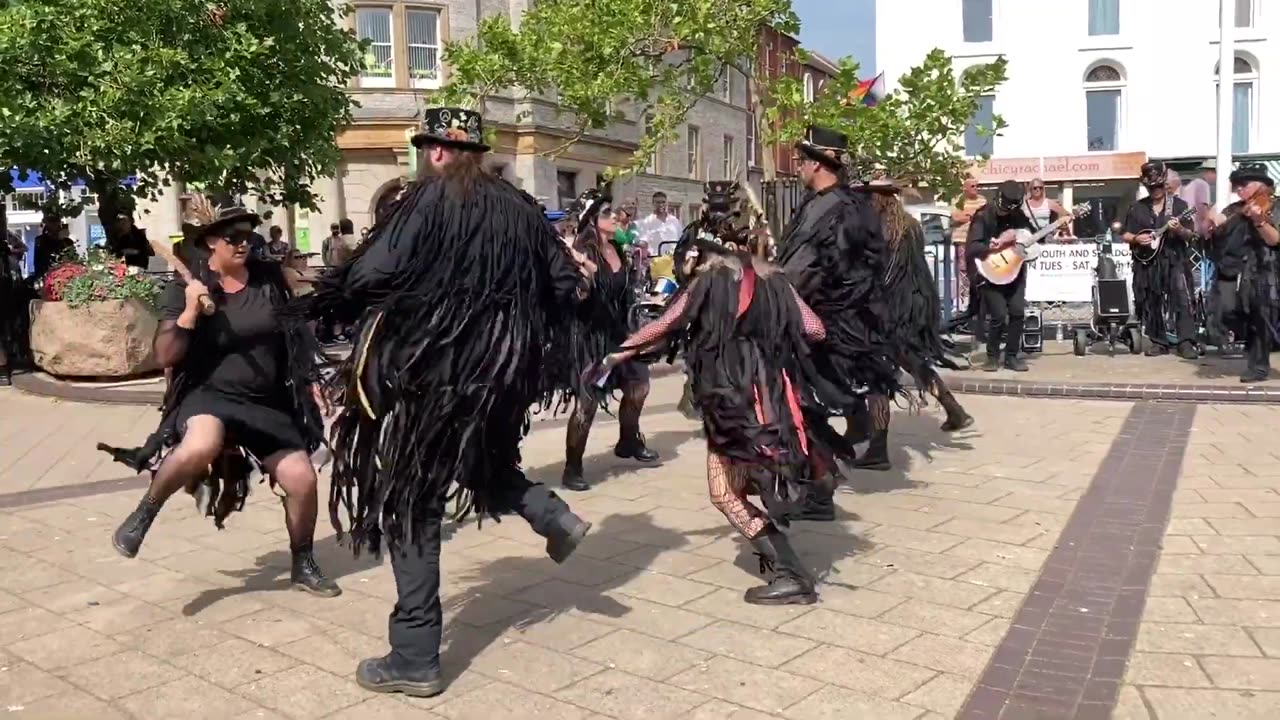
[(893, 217)]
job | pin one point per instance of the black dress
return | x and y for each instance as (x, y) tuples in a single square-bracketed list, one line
[(236, 366), (251, 366)]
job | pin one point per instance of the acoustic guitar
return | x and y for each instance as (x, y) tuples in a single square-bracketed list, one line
[(1145, 254), (1002, 268)]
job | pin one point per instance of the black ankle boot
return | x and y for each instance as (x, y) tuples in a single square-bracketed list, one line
[(877, 455), (572, 478), (4, 377), (129, 536), (566, 534), (307, 576), (387, 675), (957, 418), (858, 426), (631, 446), (819, 506), (791, 584)]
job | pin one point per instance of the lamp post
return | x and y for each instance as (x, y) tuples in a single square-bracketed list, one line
[(1226, 95)]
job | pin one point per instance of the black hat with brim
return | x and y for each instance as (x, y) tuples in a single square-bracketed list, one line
[(1010, 194), (882, 186), (824, 146), (1252, 173), (451, 127), (228, 217)]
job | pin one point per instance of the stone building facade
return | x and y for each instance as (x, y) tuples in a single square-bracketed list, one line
[(405, 65)]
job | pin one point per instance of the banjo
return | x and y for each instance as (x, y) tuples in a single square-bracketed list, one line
[(1002, 268)]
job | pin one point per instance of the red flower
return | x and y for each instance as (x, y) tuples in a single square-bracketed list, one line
[(119, 271)]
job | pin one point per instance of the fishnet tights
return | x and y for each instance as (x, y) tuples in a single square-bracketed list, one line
[(878, 406), (727, 482), (584, 415)]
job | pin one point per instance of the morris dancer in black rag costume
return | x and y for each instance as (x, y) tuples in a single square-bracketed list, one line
[(720, 197), (911, 295), (241, 390), (1243, 246), (600, 322), (1162, 287), (762, 399), (833, 253), (462, 283)]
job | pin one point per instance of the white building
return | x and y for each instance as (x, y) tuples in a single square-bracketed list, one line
[(1093, 85)]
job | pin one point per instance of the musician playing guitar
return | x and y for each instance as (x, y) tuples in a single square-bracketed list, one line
[(993, 229), (1162, 269), (1243, 247)]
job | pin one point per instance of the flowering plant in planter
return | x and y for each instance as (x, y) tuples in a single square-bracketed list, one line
[(100, 276)]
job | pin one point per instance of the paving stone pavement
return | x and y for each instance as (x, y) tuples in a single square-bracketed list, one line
[(923, 574)]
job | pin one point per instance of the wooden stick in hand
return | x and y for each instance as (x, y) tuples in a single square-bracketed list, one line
[(166, 252)]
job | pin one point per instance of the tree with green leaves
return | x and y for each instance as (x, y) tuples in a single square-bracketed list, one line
[(654, 57), (245, 96), (915, 134)]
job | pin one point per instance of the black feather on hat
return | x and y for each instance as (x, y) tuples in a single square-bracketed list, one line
[(1251, 172)]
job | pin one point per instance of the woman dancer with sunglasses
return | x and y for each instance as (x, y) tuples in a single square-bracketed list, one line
[(754, 380), (599, 323), (240, 392)]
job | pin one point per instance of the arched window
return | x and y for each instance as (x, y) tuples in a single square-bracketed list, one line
[(808, 87), (1104, 106), (1244, 98)]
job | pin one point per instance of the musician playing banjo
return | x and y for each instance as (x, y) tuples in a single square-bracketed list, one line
[(1243, 247), (994, 229), (1162, 265)]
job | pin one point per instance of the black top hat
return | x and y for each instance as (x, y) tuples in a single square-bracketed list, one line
[(225, 219), (825, 146), (451, 127), (1010, 195), (1153, 173), (720, 196), (880, 185), (588, 206), (1252, 172)]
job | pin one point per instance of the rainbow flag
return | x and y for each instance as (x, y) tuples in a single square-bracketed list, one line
[(868, 92)]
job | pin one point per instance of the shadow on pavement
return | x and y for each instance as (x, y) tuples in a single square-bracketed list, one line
[(271, 572), (914, 438), (469, 631), (602, 467)]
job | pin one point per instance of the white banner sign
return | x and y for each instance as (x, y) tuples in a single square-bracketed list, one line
[(1064, 272)]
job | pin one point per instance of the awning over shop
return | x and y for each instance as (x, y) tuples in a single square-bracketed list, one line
[(35, 181)]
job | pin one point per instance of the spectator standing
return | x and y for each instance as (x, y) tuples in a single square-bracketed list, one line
[(660, 226)]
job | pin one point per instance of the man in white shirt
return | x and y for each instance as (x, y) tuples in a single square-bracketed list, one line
[(660, 227)]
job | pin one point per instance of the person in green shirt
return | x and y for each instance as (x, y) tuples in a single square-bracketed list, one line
[(625, 235)]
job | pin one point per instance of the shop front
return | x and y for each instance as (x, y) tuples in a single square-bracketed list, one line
[(1107, 181)]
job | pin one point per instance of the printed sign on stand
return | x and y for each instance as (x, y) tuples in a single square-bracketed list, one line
[(1064, 271)]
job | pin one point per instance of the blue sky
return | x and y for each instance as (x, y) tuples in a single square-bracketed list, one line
[(837, 28)]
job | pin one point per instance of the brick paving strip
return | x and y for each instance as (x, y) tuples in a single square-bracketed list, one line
[(1127, 391), (1065, 654)]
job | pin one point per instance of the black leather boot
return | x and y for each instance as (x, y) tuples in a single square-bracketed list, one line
[(877, 455), (129, 536), (565, 536), (957, 418), (791, 584), (819, 506), (572, 478), (631, 447), (388, 675), (307, 576)]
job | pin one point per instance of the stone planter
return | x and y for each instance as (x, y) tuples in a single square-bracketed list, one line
[(108, 339)]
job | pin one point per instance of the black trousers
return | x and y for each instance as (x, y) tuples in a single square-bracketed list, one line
[(1257, 334), (1005, 307), (416, 626)]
